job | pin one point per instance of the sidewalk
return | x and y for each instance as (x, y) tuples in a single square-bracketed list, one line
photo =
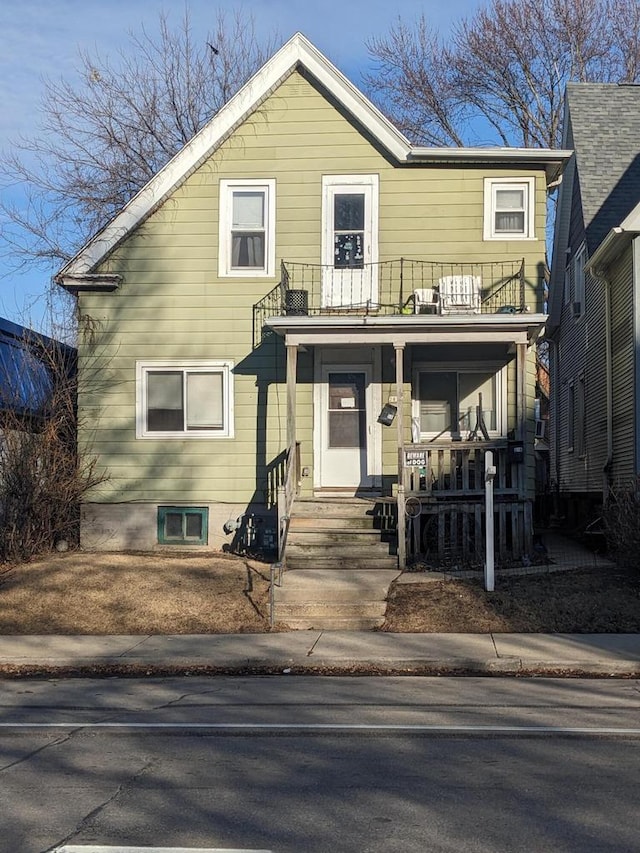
[(316, 651)]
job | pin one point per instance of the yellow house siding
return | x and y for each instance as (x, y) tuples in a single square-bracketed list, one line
[(172, 304)]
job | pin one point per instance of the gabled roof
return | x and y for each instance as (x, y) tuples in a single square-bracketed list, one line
[(602, 125), (297, 53), (605, 126)]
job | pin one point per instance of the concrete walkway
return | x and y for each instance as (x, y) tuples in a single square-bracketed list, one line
[(336, 651)]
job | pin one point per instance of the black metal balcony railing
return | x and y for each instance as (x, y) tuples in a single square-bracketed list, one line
[(397, 287)]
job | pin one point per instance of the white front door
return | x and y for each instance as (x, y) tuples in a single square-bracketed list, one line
[(350, 241), (345, 400)]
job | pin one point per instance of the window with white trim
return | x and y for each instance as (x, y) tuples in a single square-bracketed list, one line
[(184, 399), (509, 208), (247, 245), (579, 260), (446, 400)]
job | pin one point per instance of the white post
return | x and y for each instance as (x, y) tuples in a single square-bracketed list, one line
[(489, 475)]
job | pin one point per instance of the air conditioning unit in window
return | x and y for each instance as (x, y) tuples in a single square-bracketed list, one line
[(540, 428), (576, 308)]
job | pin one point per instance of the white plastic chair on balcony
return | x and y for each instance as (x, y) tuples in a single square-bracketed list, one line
[(425, 300), (460, 294)]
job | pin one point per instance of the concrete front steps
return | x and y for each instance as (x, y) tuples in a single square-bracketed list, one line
[(340, 562), (350, 600)]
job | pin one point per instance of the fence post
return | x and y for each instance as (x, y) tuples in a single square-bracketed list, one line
[(489, 562)]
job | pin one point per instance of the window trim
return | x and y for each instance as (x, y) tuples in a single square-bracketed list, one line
[(580, 442), (227, 187), (571, 416), (500, 372), (578, 263), (224, 366), (202, 511), (491, 186)]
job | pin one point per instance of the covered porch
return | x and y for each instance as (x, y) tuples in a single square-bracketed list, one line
[(429, 481)]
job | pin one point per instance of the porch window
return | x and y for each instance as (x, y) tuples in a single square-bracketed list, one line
[(247, 228), (184, 400), (509, 209), (446, 401)]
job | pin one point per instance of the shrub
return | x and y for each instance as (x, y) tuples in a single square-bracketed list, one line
[(621, 519)]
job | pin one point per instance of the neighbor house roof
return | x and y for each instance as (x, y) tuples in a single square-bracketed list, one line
[(297, 54), (602, 126), (605, 127)]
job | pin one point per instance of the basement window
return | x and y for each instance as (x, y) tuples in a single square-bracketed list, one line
[(183, 525)]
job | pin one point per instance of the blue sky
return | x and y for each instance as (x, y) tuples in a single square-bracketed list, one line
[(41, 38)]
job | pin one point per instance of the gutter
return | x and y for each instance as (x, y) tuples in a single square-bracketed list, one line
[(89, 282)]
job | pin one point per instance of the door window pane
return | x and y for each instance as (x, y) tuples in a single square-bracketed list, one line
[(346, 410), (348, 226), (348, 212)]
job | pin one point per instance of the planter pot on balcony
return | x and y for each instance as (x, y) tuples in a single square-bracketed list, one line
[(296, 303)]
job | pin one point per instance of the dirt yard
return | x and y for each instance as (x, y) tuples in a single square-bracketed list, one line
[(80, 593), (604, 600)]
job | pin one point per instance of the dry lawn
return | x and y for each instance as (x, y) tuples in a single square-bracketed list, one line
[(605, 600), (79, 593), (124, 593)]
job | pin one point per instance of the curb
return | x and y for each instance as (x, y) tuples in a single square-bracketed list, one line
[(514, 668)]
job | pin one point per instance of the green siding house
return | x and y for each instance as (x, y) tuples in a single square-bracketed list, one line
[(302, 306)]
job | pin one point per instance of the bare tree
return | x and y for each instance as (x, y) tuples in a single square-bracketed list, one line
[(105, 135), (500, 76), (44, 473)]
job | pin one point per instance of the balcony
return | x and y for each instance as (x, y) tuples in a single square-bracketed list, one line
[(400, 287)]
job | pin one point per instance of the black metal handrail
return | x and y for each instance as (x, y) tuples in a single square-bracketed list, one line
[(401, 286)]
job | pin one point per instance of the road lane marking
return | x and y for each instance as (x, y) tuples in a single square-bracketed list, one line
[(332, 727)]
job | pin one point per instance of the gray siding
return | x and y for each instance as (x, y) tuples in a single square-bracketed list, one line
[(623, 372)]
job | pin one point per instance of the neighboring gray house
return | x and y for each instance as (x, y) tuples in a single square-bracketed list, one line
[(594, 310)]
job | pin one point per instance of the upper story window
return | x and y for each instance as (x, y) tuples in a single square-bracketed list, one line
[(509, 208), (247, 227), (184, 399)]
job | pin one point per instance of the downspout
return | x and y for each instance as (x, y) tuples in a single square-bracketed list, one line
[(555, 385)]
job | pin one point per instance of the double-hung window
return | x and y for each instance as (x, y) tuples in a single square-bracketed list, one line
[(579, 261), (446, 401), (247, 227), (184, 399), (509, 208)]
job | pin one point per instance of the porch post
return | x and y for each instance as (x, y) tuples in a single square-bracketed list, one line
[(292, 362), (402, 519), (521, 412)]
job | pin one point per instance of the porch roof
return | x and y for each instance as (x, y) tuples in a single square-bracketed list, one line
[(305, 330)]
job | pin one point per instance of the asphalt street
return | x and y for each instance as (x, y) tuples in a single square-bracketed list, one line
[(321, 764)]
